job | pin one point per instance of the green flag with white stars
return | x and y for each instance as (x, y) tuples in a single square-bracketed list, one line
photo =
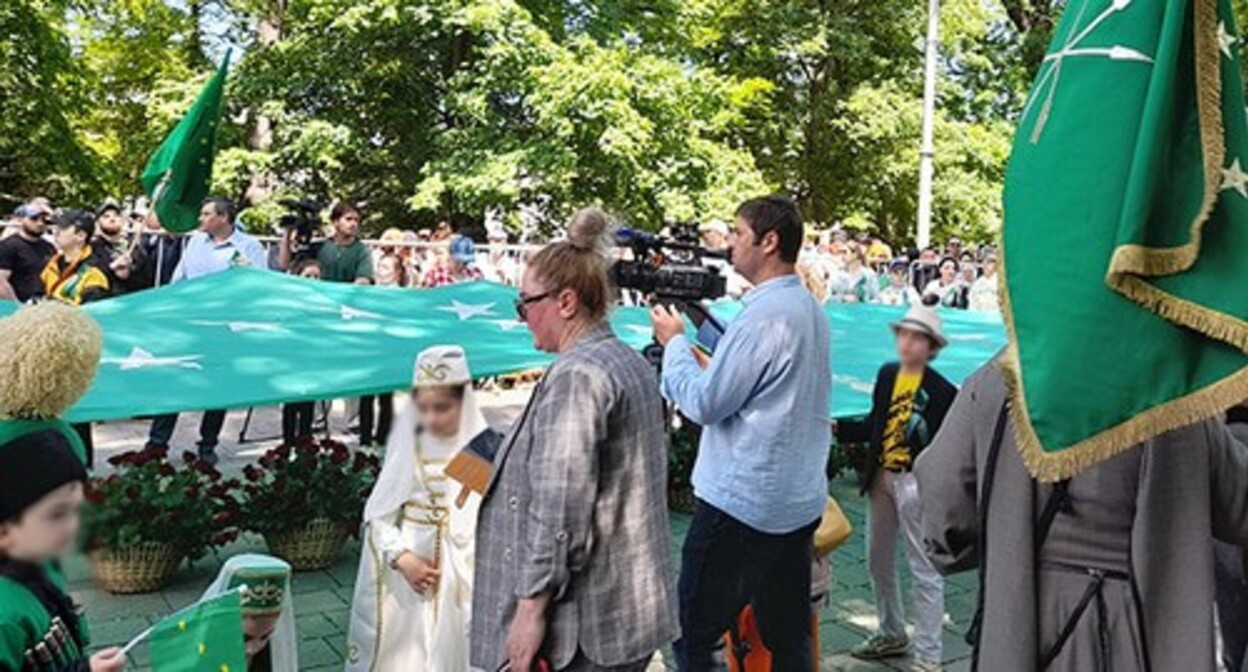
[(1125, 243), (179, 174), (205, 637), (248, 337)]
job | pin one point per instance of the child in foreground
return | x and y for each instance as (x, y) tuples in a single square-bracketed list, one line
[(51, 354)]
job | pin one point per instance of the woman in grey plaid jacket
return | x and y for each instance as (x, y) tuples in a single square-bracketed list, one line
[(573, 565)]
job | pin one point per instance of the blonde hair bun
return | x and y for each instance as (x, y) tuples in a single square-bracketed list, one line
[(49, 359), (591, 229)]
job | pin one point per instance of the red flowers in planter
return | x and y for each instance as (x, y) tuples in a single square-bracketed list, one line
[(148, 499), (292, 485)]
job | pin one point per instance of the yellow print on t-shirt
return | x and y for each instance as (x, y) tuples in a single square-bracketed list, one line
[(895, 450)]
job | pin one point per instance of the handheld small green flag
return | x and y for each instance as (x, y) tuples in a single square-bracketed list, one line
[(179, 174), (205, 637), (1126, 226)]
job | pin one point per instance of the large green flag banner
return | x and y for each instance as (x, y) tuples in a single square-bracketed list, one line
[(1126, 231), (179, 174), (205, 637), (251, 338)]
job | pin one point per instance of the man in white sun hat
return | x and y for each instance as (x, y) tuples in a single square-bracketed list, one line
[(908, 406)]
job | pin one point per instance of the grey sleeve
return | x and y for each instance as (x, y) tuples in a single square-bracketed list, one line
[(949, 487)]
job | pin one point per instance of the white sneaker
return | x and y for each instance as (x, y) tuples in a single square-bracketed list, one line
[(921, 665), (881, 646)]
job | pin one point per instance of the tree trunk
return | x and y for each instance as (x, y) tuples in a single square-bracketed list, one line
[(260, 136)]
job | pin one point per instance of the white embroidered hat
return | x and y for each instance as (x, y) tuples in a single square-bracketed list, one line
[(441, 365)]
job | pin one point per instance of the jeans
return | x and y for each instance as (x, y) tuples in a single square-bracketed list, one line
[(376, 416), (297, 419), (895, 509), (209, 429), (726, 565)]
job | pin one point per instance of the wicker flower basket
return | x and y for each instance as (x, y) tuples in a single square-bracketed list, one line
[(316, 546), (142, 568)]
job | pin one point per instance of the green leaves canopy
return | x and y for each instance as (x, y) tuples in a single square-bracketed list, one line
[(657, 110)]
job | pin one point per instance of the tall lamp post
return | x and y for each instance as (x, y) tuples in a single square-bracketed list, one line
[(927, 152)]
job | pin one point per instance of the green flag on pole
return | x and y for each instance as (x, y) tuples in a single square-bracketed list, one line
[(205, 637), (179, 174), (1126, 231)]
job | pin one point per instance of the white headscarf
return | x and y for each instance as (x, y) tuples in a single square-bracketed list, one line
[(438, 366), (284, 645)]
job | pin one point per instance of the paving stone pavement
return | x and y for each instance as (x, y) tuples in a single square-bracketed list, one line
[(323, 598)]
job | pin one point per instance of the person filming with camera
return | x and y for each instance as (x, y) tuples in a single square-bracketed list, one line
[(760, 476), (343, 257)]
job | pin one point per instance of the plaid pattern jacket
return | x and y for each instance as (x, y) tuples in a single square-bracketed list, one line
[(577, 507)]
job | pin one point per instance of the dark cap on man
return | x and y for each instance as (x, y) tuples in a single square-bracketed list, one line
[(108, 204), (76, 219)]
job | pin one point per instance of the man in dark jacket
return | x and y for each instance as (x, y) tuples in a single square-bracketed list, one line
[(909, 404), (155, 256)]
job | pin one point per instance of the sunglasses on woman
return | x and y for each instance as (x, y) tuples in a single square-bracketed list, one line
[(523, 302)]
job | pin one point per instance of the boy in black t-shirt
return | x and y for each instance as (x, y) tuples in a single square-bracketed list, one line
[(24, 255)]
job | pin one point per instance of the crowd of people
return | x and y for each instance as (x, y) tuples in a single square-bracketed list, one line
[(557, 557), (128, 251)]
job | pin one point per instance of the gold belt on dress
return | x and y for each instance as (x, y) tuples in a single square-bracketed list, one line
[(436, 517)]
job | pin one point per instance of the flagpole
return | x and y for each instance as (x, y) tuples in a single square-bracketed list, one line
[(157, 194), (160, 258), (927, 152)]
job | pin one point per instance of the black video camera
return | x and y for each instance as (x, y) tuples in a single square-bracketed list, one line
[(669, 270), (304, 217)]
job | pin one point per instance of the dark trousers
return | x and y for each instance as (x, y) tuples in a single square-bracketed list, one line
[(1232, 600), (297, 419), (376, 416), (582, 664), (209, 429), (726, 565)]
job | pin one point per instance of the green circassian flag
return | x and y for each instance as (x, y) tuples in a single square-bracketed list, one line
[(205, 637), (1125, 242), (178, 176), (249, 337)]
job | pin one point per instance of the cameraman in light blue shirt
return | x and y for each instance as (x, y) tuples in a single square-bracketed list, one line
[(760, 476)]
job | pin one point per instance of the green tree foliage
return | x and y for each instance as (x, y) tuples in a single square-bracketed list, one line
[(142, 67), (41, 94), (658, 110)]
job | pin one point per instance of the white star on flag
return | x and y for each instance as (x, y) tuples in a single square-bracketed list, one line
[(1234, 177), (1226, 41), (240, 327), (142, 359), (508, 325), (467, 311), (855, 384), (348, 313)]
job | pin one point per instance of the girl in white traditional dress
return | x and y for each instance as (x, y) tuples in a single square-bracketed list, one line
[(413, 593)]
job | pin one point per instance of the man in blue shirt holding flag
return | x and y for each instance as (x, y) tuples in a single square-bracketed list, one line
[(216, 247), (760, 477)]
